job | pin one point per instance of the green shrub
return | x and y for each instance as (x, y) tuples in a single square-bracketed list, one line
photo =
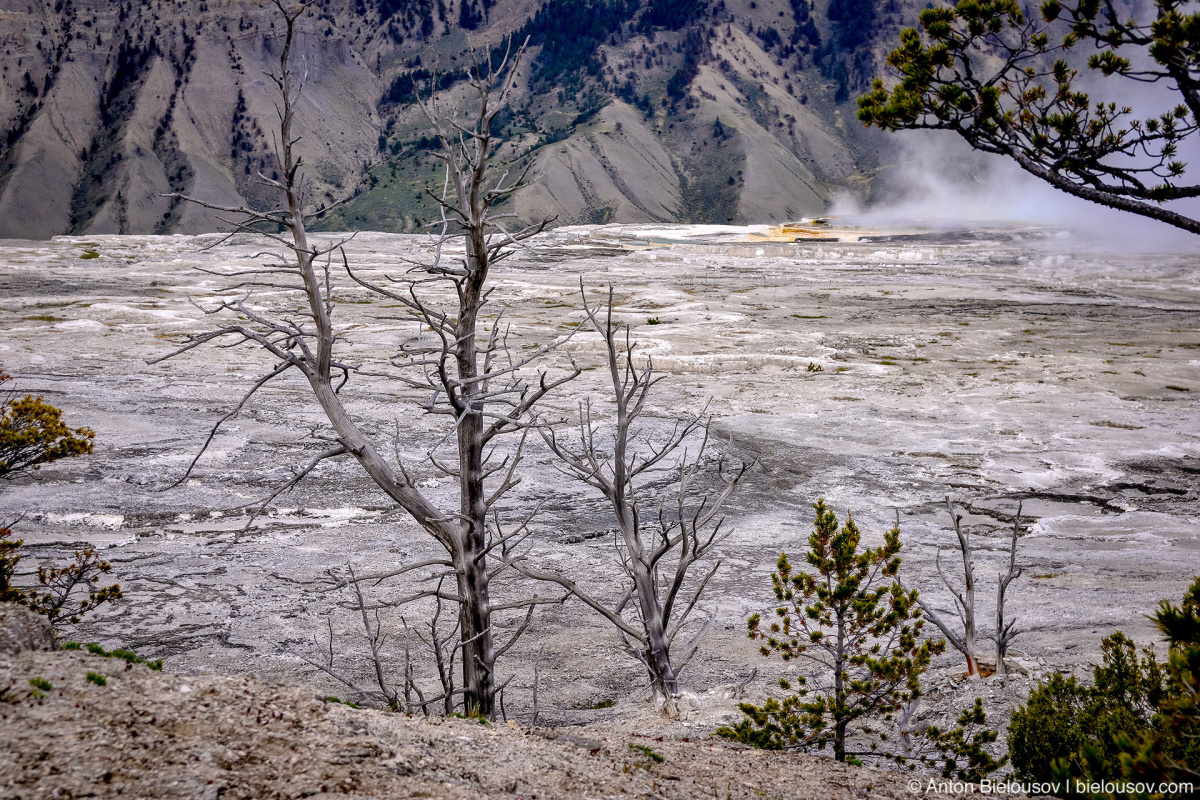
[(332, 699), (1048, 727), (97, 678), (648, 753), (10, 556), (962, 751), (1137, 721), (32, 434), (126, 655), (63, 594)]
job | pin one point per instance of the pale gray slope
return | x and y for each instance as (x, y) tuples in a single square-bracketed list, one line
[(122, 109), (617, 166), (171, 124)]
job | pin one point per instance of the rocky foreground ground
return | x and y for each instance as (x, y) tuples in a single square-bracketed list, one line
[(78, 724)]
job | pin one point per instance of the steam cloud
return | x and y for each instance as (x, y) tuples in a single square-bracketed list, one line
[(936, 178)]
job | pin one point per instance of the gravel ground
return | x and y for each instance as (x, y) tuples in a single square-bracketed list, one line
[(149, 735)]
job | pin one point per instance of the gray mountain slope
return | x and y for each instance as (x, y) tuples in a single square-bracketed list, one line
[(107, 108)]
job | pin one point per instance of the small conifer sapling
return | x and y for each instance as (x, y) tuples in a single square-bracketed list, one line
[(962, 752), (850, 620)]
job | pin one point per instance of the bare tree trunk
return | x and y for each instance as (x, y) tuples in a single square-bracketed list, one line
[(1006, 632), (478, 656), (664, 597), (839, 688), (478, 651), (905, 726), (657, 650), (964, 602), (967, 598), (474, 382)]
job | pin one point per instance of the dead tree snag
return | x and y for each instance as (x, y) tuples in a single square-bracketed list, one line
[(1006, 631), (469, 373), (656, 555), (964, 601)]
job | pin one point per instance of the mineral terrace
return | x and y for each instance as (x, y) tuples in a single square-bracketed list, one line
[(882, 371)]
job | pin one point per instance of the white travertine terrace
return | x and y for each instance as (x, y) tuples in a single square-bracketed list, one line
[(991, 365)]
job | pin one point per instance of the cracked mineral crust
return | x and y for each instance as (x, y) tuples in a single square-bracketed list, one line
[(882, 373)]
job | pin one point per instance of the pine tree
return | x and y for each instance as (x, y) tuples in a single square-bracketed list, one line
[(1037, 103), (962, 752), (32, 433), (851, 620), (1136, 721)]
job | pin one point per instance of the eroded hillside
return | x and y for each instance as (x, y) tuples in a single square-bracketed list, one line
[(82, 725), (631, 110)]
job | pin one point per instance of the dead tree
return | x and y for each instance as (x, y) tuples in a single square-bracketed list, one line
[(906, 727), (964, 602), (1006, 631), (468, 372), (657, 556), (386, 695), (406, 694)]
